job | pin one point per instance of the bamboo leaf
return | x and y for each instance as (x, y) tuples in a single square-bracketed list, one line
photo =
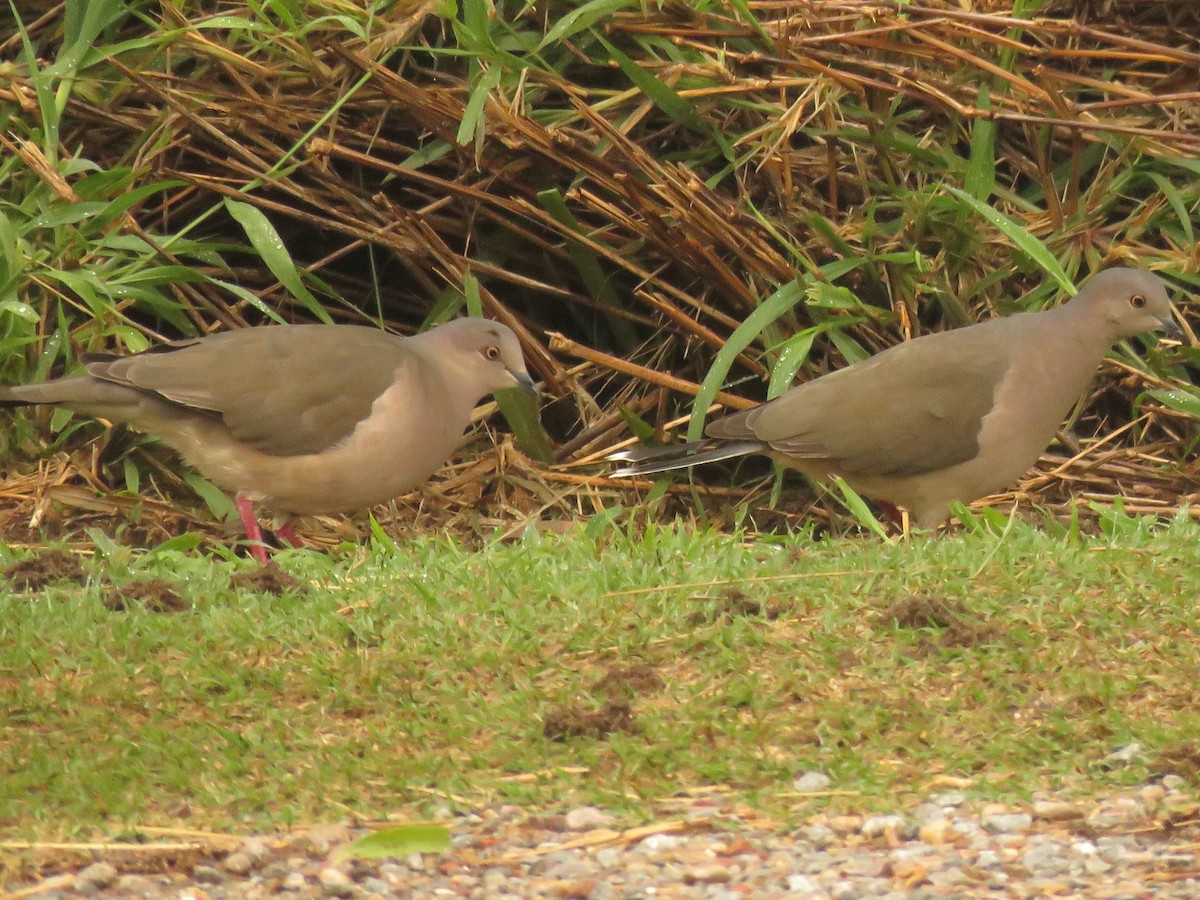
[(1181, 401), (396, 842), (763, 317), (591, 272), (792, 356), (269, 245), (249, 297), (214, 498), (1035, 249), (665, 98), (522, 410), (859, 510)]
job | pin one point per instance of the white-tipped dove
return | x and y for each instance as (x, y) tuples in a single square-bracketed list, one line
[(943, 418), (305, 419)]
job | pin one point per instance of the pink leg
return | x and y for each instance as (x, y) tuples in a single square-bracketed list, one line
[(287, 531), (254, 533)]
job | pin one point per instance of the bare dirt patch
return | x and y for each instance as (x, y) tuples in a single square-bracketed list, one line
[(154, 595), (47, 567), (735, 604), (959, 626), (629, 681), (267, 578), (575, 721)]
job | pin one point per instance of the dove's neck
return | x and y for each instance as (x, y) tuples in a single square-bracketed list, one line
[(1080, 326)]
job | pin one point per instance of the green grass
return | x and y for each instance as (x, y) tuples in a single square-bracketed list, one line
[(400, 680)]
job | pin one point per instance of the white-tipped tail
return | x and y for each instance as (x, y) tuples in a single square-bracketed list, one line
[(649, 460)]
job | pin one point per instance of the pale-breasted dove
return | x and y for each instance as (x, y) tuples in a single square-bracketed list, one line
[(305, 419), (946, 417)]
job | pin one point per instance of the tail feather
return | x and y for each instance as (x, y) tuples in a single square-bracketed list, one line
[(649, 460), (60, 390), (10, 395), (82, 393)]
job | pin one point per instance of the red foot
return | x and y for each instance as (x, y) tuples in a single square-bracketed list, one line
[(287, 531), (253, 530)]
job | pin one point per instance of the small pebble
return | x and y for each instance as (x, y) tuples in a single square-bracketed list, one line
[(1056, 810), (1095, 866), (802, 884), (609, 856), (947, 877), (256, 850), (845, 824), (875, 826), (661, 842), (1178, 861), (711, 874), (95, 877), (336, 883), (1044, 860), (586, 818), (136, 886), (938, 832), (276, 869), (812, 782), (1152, 796), (238, 863), (294, 882), (820, 836), (207, 874), (1124, 756), (1007, 823), (320, 839), (949, 798)]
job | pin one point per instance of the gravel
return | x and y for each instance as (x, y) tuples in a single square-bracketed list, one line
[(1134, 845)]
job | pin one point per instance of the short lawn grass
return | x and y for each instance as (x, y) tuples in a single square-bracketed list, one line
[(616, 668)]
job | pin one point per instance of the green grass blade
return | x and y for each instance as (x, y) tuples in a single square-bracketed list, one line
[(665, 98), (859, 510), (214, 498), (473, 125), (778, 304), (1035, 249), (522, 410), (269, 245), (1185, 402), (1178, 205), (981, 168), (591, 272), (580, 19)]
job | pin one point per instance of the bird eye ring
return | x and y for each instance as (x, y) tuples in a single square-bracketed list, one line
[(1137, 301), (492, 352)]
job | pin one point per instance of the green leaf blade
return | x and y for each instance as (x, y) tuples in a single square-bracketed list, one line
[(403, 840)]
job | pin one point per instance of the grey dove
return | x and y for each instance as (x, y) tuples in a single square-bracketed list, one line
[(305, 419), (947, 417)]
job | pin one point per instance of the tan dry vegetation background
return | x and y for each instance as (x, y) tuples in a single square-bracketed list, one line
[(625, 187)]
